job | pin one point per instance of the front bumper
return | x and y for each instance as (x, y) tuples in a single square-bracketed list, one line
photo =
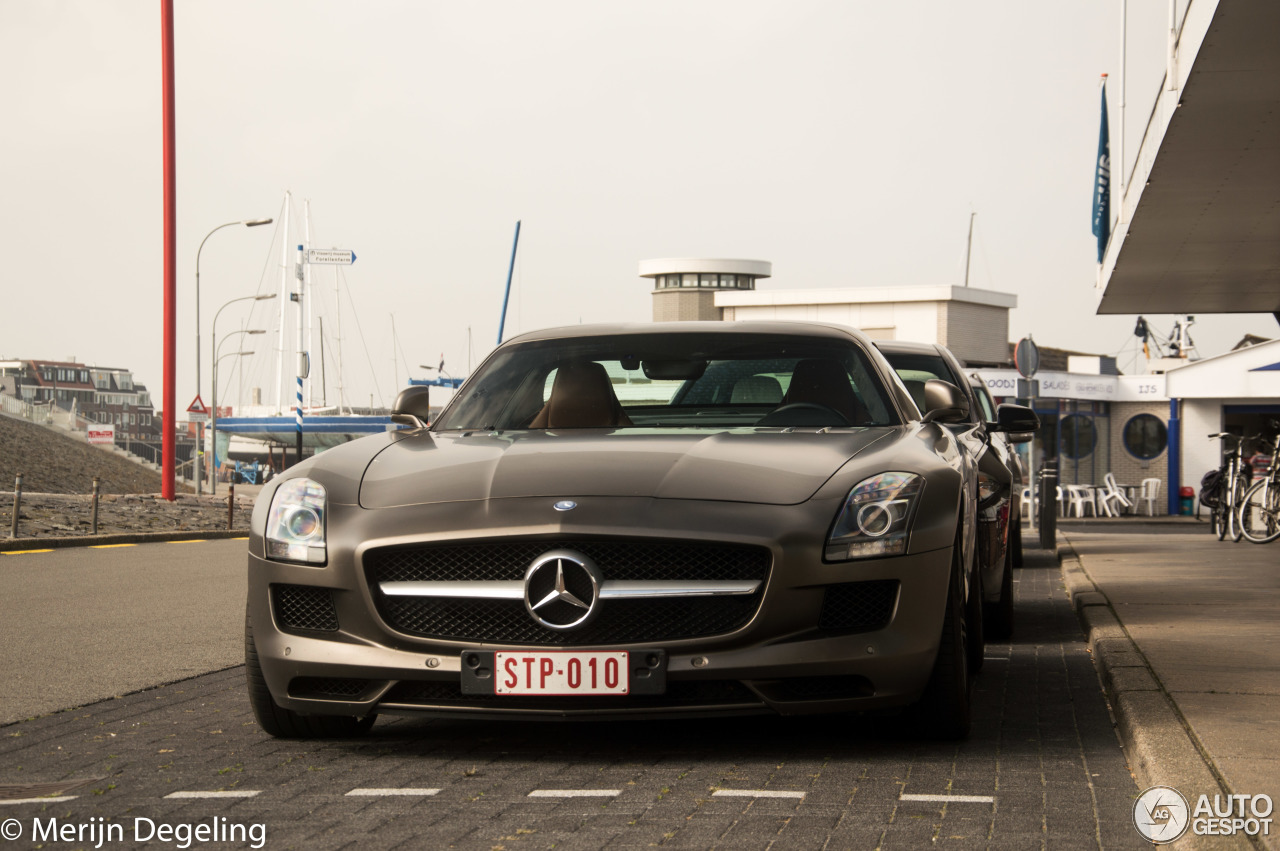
[(780, 661)]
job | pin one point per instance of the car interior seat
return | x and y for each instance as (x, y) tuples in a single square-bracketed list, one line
[(756, 390), (821, 381), (581, 397)]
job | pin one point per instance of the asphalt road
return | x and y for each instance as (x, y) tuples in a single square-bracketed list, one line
[(1042, 768), (83, 624)]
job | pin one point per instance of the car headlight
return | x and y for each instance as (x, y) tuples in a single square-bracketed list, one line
[(876, 517), (295, 525)]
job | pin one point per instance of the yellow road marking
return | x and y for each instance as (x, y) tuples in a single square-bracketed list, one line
[(245, 538), (109, 546), (196, 541), (25, 552)]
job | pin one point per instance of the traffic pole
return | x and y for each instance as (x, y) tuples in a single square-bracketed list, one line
[(168, 470)]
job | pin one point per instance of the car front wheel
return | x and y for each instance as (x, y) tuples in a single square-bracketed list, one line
[(944, 708), (999, 615), (285, 723)]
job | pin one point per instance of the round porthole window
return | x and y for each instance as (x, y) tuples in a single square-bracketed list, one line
[(1145, 436), (1079, 437)]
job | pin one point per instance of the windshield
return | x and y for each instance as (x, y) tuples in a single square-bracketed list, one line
[(915, 369), (666, 380)]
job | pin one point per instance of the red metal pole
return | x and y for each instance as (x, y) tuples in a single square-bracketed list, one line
[(167, 467)]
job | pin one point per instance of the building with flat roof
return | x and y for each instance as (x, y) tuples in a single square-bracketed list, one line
[(685, 288)]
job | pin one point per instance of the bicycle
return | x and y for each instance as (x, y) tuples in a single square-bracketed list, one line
[(1258, 515), (1231, 489)]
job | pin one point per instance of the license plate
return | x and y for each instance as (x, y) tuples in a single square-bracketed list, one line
[(561, 672)]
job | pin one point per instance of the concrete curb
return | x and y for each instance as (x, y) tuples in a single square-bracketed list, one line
[(1160, 746), (17, 544)]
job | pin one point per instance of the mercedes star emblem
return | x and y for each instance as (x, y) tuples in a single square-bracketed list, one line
[(561, 588)]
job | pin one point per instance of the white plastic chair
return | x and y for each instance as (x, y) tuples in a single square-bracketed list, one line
[(1080, 497), (1149, 494), (1111, 499)]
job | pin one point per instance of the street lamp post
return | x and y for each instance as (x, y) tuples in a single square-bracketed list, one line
[(213, 355), (249, 223)]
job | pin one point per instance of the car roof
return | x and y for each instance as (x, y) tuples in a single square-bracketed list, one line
[(822, 330), (907, 347)]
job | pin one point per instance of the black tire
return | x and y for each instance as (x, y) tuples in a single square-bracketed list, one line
[(283, 723), (975, 624), (1219, 523), (1260, 513), (944, 709), (999, 615), (1015, 540), (1233, 513)]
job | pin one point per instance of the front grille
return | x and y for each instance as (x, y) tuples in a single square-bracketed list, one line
[(619, 621), (617, 559), (679, 693), (859, 606), (304, 608), (331, 688)]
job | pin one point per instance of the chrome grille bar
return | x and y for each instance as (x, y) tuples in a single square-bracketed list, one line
[(609, 589)]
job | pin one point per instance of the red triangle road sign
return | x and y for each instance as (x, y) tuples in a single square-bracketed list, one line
[(197, 406)]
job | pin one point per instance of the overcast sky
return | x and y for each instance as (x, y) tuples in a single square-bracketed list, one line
[(846, 142)]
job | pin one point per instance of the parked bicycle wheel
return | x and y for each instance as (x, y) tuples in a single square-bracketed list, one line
[(1232, 509), (1259, 515), (1219, 522)]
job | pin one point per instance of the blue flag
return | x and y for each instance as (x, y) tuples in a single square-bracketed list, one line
[(1102, 184)]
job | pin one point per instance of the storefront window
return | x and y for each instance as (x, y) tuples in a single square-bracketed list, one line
[(1145, 436), (1078, 436)]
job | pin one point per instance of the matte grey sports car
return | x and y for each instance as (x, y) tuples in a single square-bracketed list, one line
[(684, 519)]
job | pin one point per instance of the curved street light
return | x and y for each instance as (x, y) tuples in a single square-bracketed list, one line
[(213, 355), (213, 429), (249, 223)]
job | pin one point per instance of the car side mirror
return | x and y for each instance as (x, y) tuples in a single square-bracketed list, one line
[(1017, 420), (412, 407), (944, 402)]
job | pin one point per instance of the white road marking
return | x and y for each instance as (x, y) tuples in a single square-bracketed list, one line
[(575, 793), (950, 799), (234, 793), (40, 800), (374, 793), (754, 793)]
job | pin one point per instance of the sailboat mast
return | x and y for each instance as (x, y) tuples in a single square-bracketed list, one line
[(968, 249), (395, 364), (284, 297), (337, 300), (303, 366), (306, 271), (324, 384)]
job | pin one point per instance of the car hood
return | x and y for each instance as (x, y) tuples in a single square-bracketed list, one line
[(779, 468)]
